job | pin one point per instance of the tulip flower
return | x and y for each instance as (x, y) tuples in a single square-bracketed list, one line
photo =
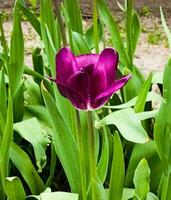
[(88, 80)]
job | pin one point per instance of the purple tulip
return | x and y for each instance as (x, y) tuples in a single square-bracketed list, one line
[(89, 80)]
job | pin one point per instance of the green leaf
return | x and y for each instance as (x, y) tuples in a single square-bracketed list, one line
[(18, 104), (151, 96), (100, 193), (165, 27), (136, 30), (117, 175), (24, 164), (64, 142), (141, 101), (162, 128), (74, 14), (5, 145), (151, 196), (55, 196), (14, 188), (16, 66), (89, 35), (142, 179), (48, 22), (3, 96), (79, 44), (102, 167), (127, 123), (31, 131), (32, 94), (111, 24), (149, 152), (128, 193), (38, 63), (31, 18)]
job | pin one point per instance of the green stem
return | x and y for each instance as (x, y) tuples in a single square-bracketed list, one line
[(95, 25), (165, 185), (60, 21), (91, 150), (81, 154)]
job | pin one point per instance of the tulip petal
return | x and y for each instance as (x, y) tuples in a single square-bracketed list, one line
[(109, 60), (99, 82), (65, 64), (79, 82), (86, 60), (74, 96), (113, 87)]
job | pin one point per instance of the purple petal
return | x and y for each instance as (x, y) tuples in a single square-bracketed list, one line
[(99, 82), (79, 82), (86, 60), (113, 88), (74, 96), (65, 64), (109, 60)]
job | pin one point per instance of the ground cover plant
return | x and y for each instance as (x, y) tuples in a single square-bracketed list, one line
[(81, 124)]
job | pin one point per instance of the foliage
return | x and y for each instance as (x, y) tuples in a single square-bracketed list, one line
[(45, 143)]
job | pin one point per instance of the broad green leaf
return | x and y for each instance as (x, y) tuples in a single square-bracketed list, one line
[(14, 188), (165, 27), (128, 125), (162, 128), (55, 196), (141, 101), (16, 65), (32, 94), (117, 175), (110, 22), (74, 14), (64, 142), (128, 193), (102, 167), (149, 152), (151, 196), (24, 164), (142, 179), (31, 131)]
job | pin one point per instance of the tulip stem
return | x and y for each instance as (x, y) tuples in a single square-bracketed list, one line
[(91, 150), (81, 150), (95, 25)]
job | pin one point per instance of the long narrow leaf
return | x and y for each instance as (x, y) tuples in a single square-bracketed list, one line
[(64, 142), (16, 66), (24, 164), (117, 172)]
